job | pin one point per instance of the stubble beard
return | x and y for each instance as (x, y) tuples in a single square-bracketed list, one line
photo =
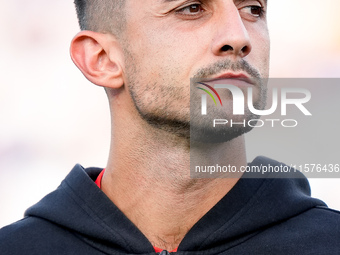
[(202, 128), (156, 103)]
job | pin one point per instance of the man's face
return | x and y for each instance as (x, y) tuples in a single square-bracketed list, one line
[(167, 42)]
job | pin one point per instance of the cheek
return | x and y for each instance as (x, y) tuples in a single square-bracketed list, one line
[(260, 54), (165, 61), (166, 46)]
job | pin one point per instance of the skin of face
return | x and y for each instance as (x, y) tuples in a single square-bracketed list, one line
[(166, 43)]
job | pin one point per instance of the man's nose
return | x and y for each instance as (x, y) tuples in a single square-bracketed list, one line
[(231, 38)]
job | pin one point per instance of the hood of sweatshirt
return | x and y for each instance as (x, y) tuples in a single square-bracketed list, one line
[(79, 206)]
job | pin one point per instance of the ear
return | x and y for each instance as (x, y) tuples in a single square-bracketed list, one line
[(99, 57)]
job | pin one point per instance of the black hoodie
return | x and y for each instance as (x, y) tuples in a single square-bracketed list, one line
[(258, 216)]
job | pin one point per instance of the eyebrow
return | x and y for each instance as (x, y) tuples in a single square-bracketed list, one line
[(169, 1), (265, 1)]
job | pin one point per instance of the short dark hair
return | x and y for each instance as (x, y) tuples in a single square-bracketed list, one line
[(101, 15)]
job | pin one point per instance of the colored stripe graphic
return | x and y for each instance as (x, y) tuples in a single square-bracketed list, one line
[(212, 89), (209, 94)]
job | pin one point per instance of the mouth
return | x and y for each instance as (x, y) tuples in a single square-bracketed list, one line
[(237, 79)]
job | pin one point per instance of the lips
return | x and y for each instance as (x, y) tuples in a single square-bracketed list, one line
[(239, 76), (237, 79)]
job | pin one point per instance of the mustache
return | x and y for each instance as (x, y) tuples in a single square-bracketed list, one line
[(227, 65)]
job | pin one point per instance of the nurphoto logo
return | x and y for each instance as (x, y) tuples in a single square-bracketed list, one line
[(238, 102)]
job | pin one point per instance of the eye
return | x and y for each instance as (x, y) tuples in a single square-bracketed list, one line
[(190, 10), (254, 10)]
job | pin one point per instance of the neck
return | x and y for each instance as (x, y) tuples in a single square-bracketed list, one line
[(148, 179)]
